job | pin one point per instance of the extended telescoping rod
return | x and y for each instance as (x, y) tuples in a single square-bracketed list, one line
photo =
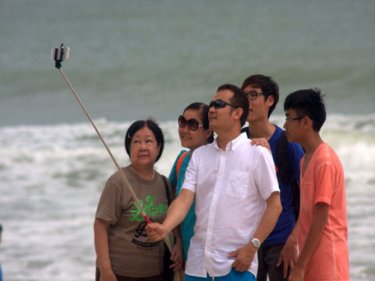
[(58, 55)]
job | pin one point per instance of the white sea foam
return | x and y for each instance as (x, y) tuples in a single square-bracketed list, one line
[(51, 178)]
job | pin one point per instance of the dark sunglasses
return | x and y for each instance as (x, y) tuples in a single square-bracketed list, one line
[(192, 124), (220, 104)]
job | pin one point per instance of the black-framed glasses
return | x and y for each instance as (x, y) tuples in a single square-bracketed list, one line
[(220, 104), (290, 119), (192, 124), (253, 95)]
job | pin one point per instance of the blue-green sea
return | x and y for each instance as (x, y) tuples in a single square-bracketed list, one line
[(134, 59)]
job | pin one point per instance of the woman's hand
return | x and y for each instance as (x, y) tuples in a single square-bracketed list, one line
[(107, 275)]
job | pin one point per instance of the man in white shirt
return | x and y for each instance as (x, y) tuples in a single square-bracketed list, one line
[(236, 195)]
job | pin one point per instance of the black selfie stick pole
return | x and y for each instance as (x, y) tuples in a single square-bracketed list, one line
[(58, 55)]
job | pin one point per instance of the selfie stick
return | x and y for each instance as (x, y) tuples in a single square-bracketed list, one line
[(58, 55)]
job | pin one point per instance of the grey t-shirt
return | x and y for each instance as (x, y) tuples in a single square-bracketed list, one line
[(130, 252)]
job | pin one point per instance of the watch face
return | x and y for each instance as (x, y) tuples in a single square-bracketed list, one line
[(255, 242)]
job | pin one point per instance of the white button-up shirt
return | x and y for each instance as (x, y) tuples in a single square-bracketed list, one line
[(230, 188)]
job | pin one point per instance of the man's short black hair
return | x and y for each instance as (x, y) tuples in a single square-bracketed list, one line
[(308, 102), (268, 86)]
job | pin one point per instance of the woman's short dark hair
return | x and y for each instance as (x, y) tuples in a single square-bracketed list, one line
[(140, 124), (202, 108)]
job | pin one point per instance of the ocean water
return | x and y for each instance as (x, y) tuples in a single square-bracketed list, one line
[(150, 58)]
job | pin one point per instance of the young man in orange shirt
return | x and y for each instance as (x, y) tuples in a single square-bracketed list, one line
[(322, 229)]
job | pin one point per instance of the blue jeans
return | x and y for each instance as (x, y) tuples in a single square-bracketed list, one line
[(233, 275)]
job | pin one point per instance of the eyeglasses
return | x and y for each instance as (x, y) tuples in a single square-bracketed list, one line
[(290, 119), (220, 104), (253, 95), (192, 124)]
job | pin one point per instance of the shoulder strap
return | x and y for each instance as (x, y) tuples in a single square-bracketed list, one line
[(179, 162), (167, 190), (284, 170), (282, 159)]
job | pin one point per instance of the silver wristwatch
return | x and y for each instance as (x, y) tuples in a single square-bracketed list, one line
[(255, 242)]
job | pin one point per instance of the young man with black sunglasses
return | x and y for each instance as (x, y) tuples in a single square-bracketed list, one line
[(274, 256), (237, 201)]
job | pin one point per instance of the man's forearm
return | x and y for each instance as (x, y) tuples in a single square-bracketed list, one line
[(319, 220), (245, 254), (269, 217), (178, 209)]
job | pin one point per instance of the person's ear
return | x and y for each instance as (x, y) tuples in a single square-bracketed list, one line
[(270, 100), (307, 122), (238, 113)]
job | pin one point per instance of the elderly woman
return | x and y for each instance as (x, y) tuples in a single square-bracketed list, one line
[(121, 244)]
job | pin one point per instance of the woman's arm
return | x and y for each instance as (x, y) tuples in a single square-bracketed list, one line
[(102, 250)]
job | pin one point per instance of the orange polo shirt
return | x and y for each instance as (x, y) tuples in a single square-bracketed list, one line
[(323, 182)]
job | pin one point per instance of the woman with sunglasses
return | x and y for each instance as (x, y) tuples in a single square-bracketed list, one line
[(193, 131)]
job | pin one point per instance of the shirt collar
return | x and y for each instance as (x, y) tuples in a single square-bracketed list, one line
[(233, 144)]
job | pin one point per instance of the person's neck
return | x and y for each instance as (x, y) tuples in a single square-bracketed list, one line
[(225, 137), (263, 129), (311, 143), (146, 173)]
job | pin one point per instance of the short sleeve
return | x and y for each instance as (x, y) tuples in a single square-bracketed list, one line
[(324, 183), (266, 179), (109, 206)]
